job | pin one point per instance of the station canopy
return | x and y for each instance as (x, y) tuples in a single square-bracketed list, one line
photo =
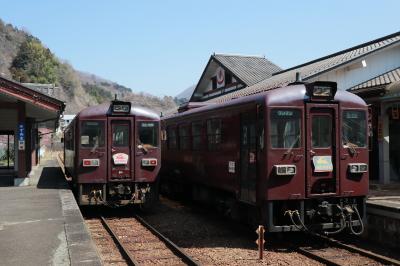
[(41, 107)]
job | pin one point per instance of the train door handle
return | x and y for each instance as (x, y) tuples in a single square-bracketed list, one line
[(312, 152)]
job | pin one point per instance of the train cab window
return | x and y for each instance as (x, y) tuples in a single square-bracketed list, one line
[(285, 128), (92, 134), (120, 135), (354, 131), (214, 134), (197, 135), (321, 134), (184, 137), (148, 134)]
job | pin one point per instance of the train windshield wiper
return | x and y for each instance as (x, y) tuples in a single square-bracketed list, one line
[(293, 144)]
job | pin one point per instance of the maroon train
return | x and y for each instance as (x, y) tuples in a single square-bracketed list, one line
[(112, 153), (292, 158)]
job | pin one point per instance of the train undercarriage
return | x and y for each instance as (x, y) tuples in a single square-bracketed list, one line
[(117, 194), (329, 215)]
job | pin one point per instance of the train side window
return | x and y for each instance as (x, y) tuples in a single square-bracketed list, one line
[(285, 128), (184, 137), (171, 138), (354, 131), (92, 134), (197, 135), (214, 135), (148, 134)]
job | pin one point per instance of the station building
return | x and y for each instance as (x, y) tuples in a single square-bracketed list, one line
[(22, 109), (371, 70)]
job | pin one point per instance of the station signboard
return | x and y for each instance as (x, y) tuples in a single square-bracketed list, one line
[(21, 136)]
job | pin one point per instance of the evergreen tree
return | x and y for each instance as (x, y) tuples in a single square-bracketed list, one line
[(34, 63)]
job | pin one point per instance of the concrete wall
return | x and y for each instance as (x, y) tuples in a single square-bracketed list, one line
[(383, 226)]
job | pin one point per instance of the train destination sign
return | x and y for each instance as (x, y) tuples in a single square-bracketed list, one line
[(322, 163)]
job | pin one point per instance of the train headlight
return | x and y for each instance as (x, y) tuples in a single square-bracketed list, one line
[(356, 168), (285, 169)]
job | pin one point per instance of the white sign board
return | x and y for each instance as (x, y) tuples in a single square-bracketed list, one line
[(21, 145), (231, 167), (120, 158)]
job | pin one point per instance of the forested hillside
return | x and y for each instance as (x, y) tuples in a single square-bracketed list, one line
[(25, 59)]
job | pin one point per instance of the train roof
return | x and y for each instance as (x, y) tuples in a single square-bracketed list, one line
[(284, 96), (104, 109)]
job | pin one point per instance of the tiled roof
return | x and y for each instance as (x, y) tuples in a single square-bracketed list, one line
[(379, 81), (314, 68), (249, 69)]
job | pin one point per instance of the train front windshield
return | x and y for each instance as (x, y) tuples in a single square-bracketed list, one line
[(354, 129), (92, 134), (148, 134)]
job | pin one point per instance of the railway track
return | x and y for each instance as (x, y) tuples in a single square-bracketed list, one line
[(139, 244), (335, 253)]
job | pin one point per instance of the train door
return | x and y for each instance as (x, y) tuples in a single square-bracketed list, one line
[(322, 149), (120, 159), (248, 157)]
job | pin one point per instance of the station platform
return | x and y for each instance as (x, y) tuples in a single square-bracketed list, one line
[(383, 214), (42, 224)]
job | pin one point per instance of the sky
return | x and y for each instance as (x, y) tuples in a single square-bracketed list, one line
[(162, 47)]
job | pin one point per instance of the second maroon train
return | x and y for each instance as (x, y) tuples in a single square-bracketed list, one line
[(292, 158)]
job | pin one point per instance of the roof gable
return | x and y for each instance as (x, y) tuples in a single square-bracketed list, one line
[(249, 69), (245, 70)]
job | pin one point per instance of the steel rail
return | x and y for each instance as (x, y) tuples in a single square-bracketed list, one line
[(316, 257), (174, 248), (377, 257), (124, 251)]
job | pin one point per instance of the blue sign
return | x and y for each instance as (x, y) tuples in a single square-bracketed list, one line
[(21, 132)]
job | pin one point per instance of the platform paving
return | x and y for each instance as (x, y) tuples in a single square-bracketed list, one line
[(42, 224)]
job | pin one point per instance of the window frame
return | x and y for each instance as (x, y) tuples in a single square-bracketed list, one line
[(187, 138), (9, 133), (366, 145), (200, 136), (172, 128), (214, 135), (301, 126), (157, 131), (331, 143), (118, 124), (81, 130)]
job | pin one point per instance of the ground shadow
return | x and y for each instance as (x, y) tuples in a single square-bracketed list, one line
[(52, 178), (6, 180)]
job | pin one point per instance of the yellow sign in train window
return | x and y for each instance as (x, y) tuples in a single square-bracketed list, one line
[(322, 163)]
